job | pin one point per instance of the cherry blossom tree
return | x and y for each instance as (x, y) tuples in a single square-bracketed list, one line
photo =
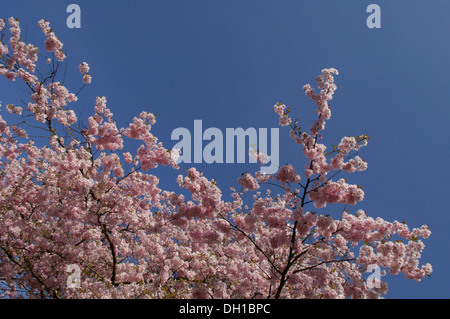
[(81, 198)]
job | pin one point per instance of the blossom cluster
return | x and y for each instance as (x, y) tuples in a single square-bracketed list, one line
[(84, 69)]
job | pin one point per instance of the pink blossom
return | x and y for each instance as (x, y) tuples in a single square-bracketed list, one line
[(248, 181), (52, 43), (83, 68), (100, 104), (87, 79), (72, 200), (286, 173)]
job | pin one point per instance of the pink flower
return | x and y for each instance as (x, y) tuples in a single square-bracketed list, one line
[(287, 173), (284, 120), (87, 79), (128, 157), (10, 76), (60, 56), (347, 144), (100, 104), (72, 201), (52, 43), (44, 25), (248, 181)]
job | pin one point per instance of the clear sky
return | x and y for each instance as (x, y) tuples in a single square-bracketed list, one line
[(228, 62)]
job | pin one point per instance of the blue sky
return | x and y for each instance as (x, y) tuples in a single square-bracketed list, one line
[(228, 62)]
